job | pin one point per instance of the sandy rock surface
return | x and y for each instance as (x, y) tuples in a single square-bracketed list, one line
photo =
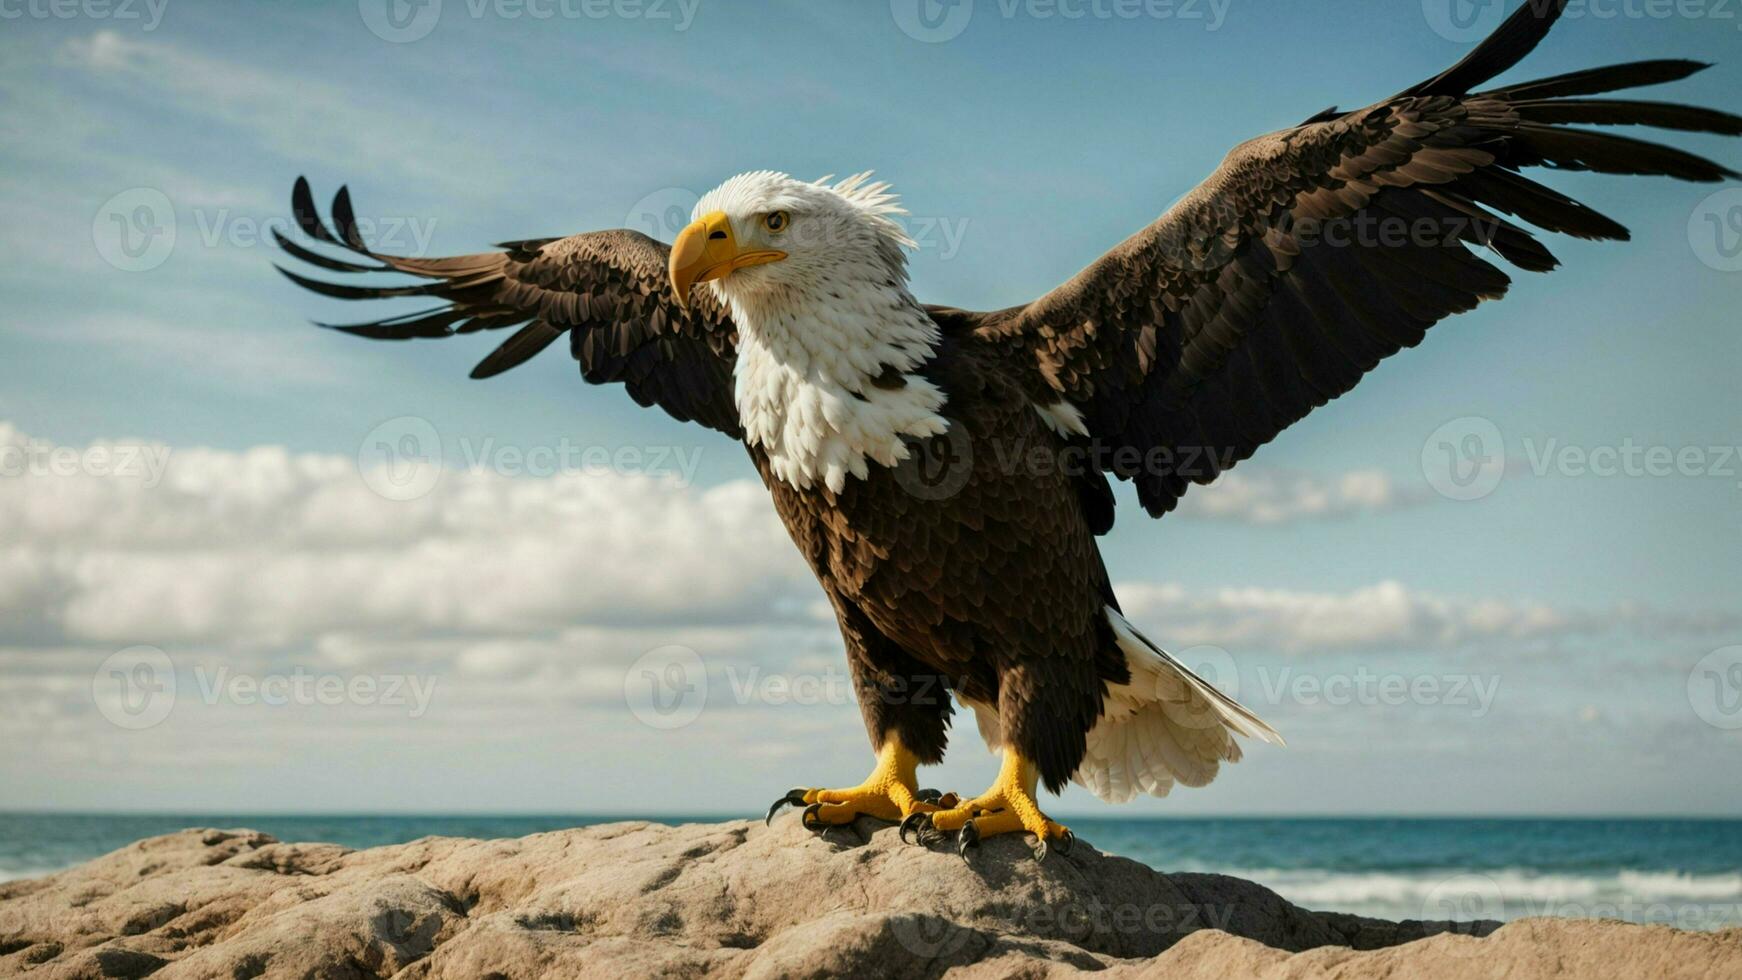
[(741, 900)]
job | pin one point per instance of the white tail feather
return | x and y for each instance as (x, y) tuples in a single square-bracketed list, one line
[(1166, 726)]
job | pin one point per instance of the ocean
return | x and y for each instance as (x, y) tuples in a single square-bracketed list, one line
[(1686, 873)]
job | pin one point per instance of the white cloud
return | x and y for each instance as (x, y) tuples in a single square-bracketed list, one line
[(1273, 496), (1387, 616), (268, 546)]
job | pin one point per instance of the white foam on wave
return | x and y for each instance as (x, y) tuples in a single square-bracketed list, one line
[(1680, 885), (1514, 893)]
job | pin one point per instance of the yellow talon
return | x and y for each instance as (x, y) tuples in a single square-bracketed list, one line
[(890, 793), (1007, 807)]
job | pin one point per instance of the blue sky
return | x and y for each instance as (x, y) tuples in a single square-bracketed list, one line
[(1024, 146)]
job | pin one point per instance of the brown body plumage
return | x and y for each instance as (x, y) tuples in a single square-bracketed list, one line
[(968, 568)]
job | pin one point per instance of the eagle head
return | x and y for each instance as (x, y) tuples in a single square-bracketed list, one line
[(764, 238)]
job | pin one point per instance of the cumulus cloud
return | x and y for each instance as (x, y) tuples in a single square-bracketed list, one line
[(268, 546), (1387, 616), (1273, 496), (123, 543)]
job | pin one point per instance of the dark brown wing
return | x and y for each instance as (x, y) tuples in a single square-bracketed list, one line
[(605, 289), (1314, 253)]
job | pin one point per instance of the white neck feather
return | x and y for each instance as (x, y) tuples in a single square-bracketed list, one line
[(807, 362)]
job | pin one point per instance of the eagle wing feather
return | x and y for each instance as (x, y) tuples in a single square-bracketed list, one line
[(606, 290), (1237, 313)]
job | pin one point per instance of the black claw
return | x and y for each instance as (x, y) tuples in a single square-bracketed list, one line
[(918, 823), (967, 838), (809, 814), (929, 796), (1067, 840), (793, 797)]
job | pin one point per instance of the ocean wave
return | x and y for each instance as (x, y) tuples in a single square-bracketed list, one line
[(1526, 891)]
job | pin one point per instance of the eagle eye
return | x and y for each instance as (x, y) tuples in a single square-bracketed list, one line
[(776, 221)]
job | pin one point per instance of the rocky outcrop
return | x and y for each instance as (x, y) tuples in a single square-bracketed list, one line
[(741, 900)]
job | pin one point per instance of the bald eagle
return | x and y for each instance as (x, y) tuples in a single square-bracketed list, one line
[(946, 473)]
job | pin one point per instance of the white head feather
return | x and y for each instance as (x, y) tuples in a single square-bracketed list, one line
[(819, 326)]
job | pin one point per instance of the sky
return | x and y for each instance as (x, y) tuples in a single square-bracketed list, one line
[(250, 565)]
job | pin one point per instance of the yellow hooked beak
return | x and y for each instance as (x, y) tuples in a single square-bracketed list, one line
[(706, 250)]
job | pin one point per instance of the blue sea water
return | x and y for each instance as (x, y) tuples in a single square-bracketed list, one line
[(1681, 872)]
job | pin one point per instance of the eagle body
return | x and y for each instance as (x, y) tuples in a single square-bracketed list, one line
[(985, 581), (946, 474)]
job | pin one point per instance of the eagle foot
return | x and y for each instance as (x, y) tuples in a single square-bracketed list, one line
[(1008, 807), (889, 793), (920, 826)]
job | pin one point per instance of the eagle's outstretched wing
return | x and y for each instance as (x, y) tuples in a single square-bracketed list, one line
[(606, 289), (1316, 252)]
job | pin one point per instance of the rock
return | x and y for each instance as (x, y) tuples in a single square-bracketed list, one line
[(739, 900)]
